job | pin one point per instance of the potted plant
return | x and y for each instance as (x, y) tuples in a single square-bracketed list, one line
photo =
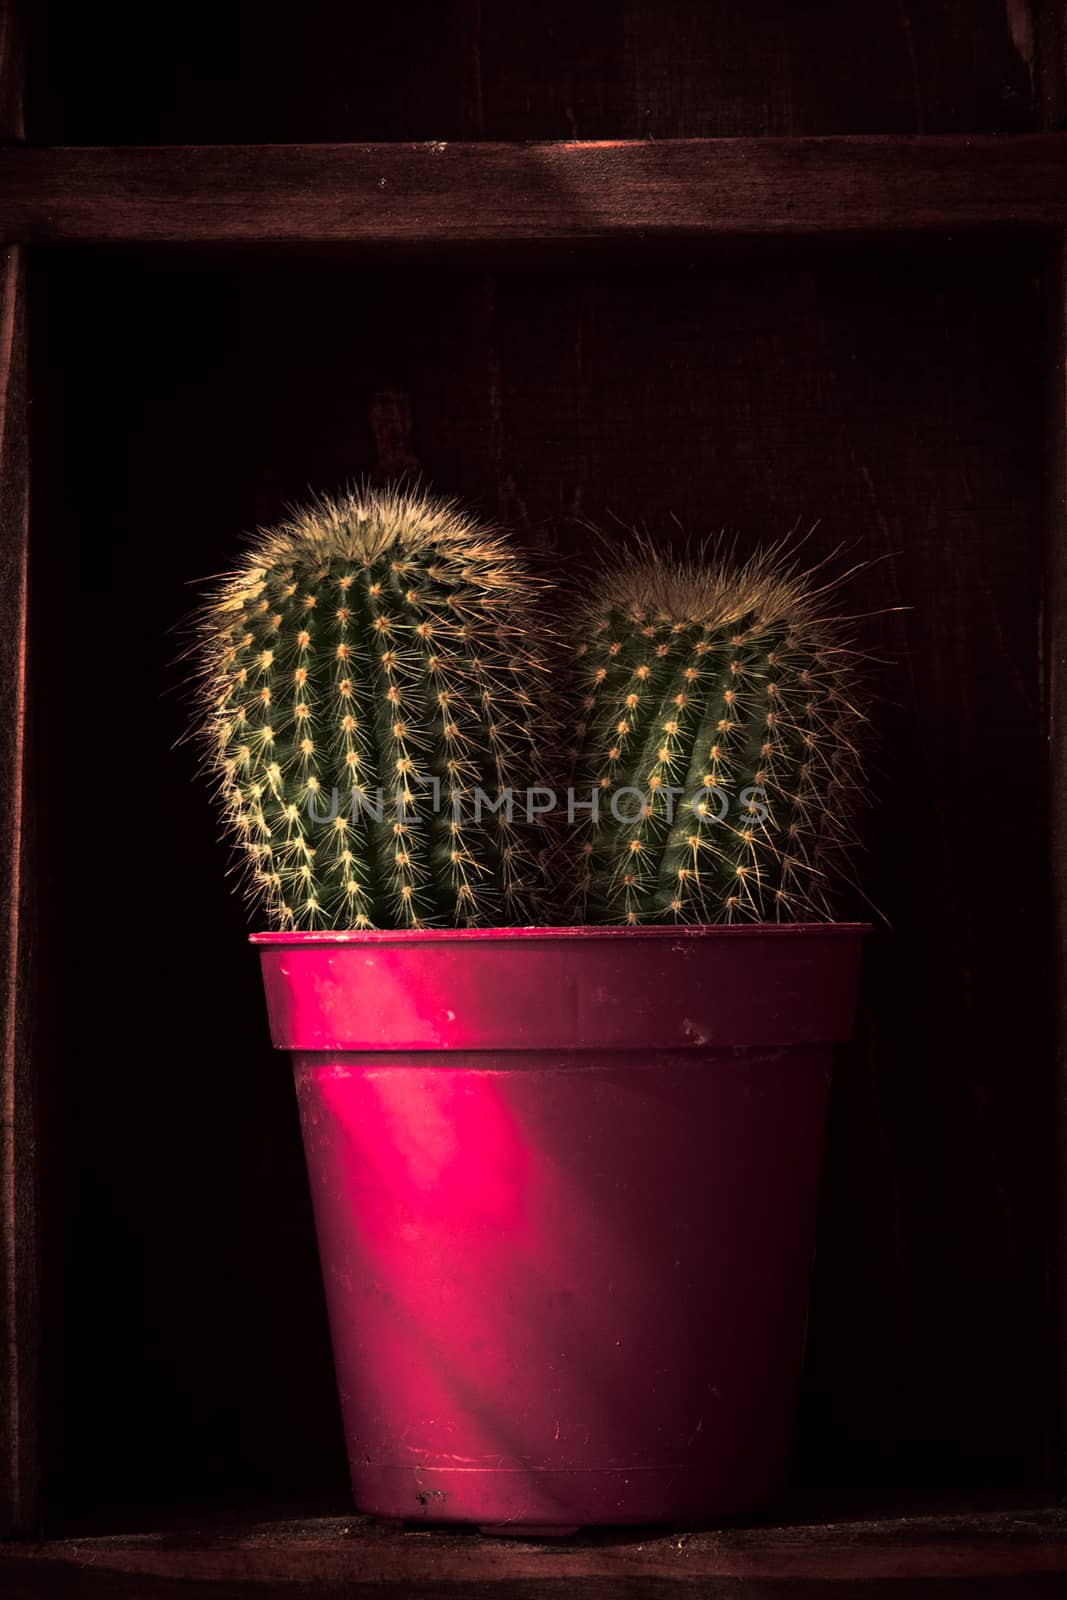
[(564, 1176)]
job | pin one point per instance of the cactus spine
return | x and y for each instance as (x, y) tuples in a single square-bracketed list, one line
[(715, 708), (366, 671)]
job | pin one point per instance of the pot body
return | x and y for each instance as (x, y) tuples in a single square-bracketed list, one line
[(565, 1187)]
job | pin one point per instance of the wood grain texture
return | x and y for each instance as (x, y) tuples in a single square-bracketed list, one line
[(1054, 685), (123, 72), (438, 194), (19, 1328), (12, 75), (19, 1232), (1051, 54), (335, 1556), (1052, 58), (776, 68)]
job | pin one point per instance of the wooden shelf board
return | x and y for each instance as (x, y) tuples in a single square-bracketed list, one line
[(342, 1552), (567, 192)]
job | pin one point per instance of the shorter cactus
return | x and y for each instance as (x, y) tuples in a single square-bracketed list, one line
[(715, 721), (368, 679)]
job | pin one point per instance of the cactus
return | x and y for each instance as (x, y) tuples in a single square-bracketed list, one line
[(367, 670), (721, 700)]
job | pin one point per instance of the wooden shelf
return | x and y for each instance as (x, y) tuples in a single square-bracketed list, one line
[(449, 193), (346, 1555)]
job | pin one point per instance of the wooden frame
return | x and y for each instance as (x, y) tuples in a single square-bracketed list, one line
[(565, 193)]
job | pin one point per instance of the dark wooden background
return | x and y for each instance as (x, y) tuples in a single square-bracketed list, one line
[(895, 394), (261, 71)]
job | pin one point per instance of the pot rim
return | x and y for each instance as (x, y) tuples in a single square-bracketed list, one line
[(682, 931)]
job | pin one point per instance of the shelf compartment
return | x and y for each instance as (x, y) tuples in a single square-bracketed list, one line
[(182, 398)]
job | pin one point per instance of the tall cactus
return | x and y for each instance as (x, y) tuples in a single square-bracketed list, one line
[(715, 723), (368, 676)]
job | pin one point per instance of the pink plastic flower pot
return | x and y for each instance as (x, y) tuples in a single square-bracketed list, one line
[(565, 1188)]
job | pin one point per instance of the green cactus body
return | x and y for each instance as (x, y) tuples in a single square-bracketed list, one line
[(715, 726), (368, 682)]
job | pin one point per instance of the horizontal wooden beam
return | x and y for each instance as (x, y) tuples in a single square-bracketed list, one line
[(454, 193), (342, 1556)]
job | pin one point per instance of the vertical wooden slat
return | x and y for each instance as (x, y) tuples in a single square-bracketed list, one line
[(12, 76), (19, 1279), (18, 1239), (1050, 30), (1055, 685)]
